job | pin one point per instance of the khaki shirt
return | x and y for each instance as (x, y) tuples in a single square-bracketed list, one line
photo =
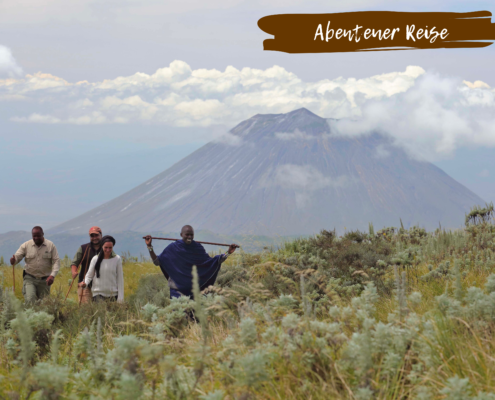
[(40, 261)]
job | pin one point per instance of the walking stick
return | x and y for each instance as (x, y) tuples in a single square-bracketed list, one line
[(85, 271), (70, 287), (13, 275), (215, 244)]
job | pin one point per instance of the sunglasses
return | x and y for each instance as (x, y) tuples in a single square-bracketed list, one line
[(94, 235)]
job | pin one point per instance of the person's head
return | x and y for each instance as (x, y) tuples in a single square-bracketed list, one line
[(187, 234), (107, 248), (95, 235), (107, 243), (38, 235)]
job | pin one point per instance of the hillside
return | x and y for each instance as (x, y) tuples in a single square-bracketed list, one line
[(286, 174), (403, 314)]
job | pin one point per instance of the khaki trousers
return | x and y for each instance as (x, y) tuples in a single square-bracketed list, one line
[(34, 289), (84, 295)]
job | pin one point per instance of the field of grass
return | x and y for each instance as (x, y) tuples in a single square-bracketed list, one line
[(395, 314)]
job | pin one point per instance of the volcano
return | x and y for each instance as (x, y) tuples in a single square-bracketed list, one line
[(287, 174)]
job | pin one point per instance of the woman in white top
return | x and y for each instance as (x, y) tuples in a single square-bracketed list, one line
[(108, 284)]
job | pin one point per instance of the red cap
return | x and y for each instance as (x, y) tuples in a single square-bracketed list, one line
[(94, 229)]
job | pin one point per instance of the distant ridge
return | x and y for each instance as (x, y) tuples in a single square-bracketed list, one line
[(286, 174)]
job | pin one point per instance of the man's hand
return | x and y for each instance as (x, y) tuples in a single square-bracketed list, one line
[(232, 248), (148, 240), (49, 280), (82, 285), (12, 260), (74, 271)]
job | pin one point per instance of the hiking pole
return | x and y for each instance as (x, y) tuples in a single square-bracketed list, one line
[(70, 287), (85, 271), (214, 244), (13, 275)]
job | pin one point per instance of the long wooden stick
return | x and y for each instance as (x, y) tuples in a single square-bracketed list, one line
[(70, 287), (215, 244), (85, 272), (13, 275)]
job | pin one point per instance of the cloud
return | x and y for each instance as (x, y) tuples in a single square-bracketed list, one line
[(296, 135), (180, 96), (484, 173), (431, 119), (304, 177), (304, 180), (476, 84), (381, 151), (229, 139), (38, 118), (8, 65), (428, 114)]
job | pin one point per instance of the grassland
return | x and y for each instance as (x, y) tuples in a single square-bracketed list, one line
[(395, 314)]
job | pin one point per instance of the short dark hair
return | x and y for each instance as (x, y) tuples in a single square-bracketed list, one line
[(186, 226), (37, 228)]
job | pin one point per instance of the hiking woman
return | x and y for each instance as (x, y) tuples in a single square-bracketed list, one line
[(106, 273)]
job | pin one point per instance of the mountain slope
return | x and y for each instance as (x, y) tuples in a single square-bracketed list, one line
[(286, 174)]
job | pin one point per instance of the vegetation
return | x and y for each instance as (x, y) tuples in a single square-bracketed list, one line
[(396, 314)]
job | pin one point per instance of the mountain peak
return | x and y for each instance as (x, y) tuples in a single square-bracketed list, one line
[(265, 124), (303, 112), (289, 184)]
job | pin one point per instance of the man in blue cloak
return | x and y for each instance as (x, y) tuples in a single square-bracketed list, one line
[(178, 258)]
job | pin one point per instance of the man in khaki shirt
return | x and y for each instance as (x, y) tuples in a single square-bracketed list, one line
[(42, 265)]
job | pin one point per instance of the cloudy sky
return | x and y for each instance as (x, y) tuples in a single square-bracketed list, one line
[(98, 96)]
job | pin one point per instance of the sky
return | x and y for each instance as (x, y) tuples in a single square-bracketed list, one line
[(98, 96)]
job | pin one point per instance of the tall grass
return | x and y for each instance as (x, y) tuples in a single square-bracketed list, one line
[(393, 314)]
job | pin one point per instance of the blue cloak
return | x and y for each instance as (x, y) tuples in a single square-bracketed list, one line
[(177, 260)]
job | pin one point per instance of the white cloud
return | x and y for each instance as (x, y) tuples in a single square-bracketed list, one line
[(304, 177), (476, 84), (381, 151), (179, 96), (484, 173), (431, 119), (296, 135), (429, 114), (8, 64), (304, 180), (229, 139), (37, 118)]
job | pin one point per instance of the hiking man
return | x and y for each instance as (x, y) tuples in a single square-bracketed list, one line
[(178, 258), (42, 265), (83, 258)]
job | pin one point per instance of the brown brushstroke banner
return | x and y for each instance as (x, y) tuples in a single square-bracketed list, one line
[(376, 31)]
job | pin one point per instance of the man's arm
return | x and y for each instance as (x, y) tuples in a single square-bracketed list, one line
[(76, 261), (154, 257), (231, 249), (19, 255), (148, 241), (55, 266)]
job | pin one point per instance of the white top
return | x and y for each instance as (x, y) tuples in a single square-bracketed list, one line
[(111, 280)]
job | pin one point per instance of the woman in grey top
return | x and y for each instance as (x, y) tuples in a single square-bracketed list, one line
[(106, 273)]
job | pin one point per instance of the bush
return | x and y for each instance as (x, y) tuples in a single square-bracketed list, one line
[(152, 288)]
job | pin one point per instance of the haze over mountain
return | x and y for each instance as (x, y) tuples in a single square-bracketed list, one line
[(286, 174)]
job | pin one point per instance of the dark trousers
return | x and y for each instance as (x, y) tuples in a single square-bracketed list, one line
[(175, 294), (99, 298)]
